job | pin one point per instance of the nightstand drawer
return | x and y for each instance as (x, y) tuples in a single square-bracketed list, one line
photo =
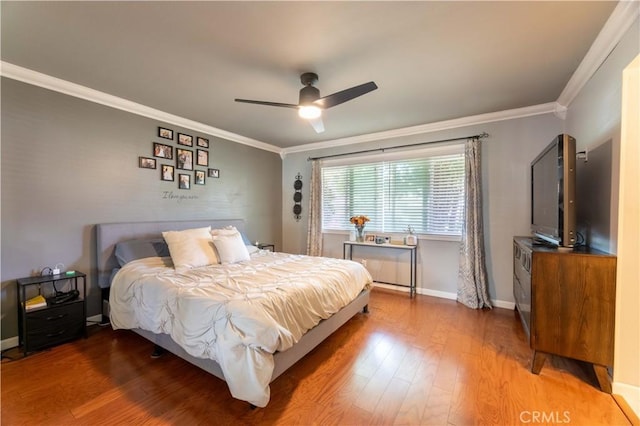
[(40, 339), (69, 312), (55, 325)]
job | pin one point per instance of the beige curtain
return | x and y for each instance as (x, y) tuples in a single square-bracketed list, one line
[(314, 228), (472, 273)]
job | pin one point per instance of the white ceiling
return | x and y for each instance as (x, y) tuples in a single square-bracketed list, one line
[(432, 61)]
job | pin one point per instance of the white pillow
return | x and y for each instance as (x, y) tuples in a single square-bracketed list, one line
[(230, 230), (191, 248), (231, 248), (227, 230)]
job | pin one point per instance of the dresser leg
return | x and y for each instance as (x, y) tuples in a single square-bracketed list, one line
[(603, 377), (538, 361)]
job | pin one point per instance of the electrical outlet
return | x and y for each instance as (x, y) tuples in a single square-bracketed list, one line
[(364, 262)]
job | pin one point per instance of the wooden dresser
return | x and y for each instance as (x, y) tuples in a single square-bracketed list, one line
[(566, 302)]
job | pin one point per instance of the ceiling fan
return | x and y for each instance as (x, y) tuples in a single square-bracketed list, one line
[(310, 104)]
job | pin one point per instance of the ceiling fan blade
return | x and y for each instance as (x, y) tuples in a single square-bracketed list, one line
[(276, 104), (317, 124), (345, 95)]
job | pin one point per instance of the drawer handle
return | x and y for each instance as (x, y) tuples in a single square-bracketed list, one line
[(56, 317), (61, 332)]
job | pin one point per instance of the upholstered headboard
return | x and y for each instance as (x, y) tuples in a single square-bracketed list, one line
[(109, 234)]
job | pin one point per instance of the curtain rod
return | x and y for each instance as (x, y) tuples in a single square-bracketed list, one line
[(478, 136)]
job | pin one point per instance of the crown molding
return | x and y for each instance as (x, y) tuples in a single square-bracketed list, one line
[(560, 111), (622, 17), (551, 107), (45, 81)]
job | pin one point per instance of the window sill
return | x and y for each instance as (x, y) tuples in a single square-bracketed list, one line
[(427, 237)]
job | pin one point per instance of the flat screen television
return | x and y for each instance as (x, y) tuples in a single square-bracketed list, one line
[(553, 190)]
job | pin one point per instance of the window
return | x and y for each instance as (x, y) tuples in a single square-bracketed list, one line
[(426, 192)]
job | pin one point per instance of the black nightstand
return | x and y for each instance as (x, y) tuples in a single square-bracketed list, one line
[(58, 322), (270, 247)]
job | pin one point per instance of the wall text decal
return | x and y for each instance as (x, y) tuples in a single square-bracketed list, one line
[(169, 195)]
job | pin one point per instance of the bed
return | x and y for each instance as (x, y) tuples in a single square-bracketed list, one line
[(244, 321)]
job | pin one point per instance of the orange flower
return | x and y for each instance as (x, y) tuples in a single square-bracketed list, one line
[(359, 220)]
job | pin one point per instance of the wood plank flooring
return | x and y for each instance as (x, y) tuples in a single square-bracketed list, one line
[(425, 361)]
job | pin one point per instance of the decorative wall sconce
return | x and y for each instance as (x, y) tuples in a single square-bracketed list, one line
[(297, 197)]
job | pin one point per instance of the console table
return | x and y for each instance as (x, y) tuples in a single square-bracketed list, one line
[(412, 264)]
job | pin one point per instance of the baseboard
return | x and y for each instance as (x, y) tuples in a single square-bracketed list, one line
[(392, 287), (437, 293), (630, 396), (443, 294), (503, 304), (13, 342), (96, 319), (9, 343), (423, 291)]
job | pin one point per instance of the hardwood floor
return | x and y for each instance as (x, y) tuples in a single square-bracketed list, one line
[(424, 361)]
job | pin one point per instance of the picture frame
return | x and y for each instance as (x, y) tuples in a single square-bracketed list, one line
[(202, 158), (166, 172), (214, 173), (184, 159), (161, 150), (370, 238), (202, 142), (146, 163), (165, 133), (185, 139), (199, 177), (184, 181)]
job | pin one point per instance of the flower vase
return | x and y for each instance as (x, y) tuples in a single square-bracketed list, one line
[(360, 234)]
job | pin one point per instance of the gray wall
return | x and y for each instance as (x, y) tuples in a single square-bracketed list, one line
[(68, 164), (506, 157)]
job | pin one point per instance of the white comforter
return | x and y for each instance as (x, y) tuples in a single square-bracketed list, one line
[(236, 314)]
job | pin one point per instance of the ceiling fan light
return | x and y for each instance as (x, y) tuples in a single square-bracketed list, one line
[(309, 112)]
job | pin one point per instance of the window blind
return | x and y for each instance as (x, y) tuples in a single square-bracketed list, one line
[(424, 193)]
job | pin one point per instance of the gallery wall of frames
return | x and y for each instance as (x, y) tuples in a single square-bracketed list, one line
[(183, 164)]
